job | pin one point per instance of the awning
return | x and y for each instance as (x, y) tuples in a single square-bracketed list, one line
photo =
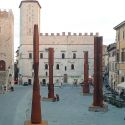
[(121, 85)]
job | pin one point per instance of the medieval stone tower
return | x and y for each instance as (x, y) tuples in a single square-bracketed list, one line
[(29, 15), (6, 45), (6, 39)]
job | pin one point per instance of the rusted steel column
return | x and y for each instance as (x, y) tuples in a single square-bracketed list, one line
[(36, 105), (98, 94), (51, 62), (86, 84)]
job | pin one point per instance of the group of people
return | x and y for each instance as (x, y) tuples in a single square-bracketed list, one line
[(3, 89)]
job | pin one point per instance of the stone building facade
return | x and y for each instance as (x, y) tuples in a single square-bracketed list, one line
[(120, 46), (111, 49), (6, 43), (104, 58), (68, 49)]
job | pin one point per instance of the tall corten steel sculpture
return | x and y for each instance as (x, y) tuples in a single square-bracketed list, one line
[(98, 104), (36, 118), (98, 94), (51, 62), (86, 84), (36, 105)]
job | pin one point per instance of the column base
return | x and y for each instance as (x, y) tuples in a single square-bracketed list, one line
[(98, 108), (44, 122), (49, 99)]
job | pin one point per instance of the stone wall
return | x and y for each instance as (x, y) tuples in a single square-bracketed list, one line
[(67, 44), (6, 37)]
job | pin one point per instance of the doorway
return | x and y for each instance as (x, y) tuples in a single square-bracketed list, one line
[(44, 82), (29, 81), (2, 65), (65, 78)]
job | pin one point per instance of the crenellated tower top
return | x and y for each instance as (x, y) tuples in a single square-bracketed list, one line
[(6, 13), (69, 34)]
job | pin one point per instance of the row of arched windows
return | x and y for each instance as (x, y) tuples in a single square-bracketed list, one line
[(57, 66), (74, 56)]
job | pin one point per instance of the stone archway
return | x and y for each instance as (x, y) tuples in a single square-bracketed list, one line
[(2, 65)]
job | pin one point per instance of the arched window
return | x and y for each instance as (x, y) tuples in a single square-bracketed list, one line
[(46, 73), (46, 66), (74, 55), (65, 68), (57, 66), (63, 56), (72, 67)]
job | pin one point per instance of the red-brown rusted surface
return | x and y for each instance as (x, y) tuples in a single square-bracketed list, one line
[(36, 105), (51, 62), (86, 84), (98, 94)]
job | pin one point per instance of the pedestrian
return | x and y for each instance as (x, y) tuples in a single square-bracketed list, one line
[(57, 97), (12, 88), (60, 84)]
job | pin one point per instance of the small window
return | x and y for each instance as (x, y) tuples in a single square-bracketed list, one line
[(65, 68), (30, 55), (123, 55), (63, 56), (57, 66), (46, 73), (72, 67), (46, 66), (41, 55), (74, 55), (117, 56)]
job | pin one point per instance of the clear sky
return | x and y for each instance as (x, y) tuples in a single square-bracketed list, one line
[(74, 16)]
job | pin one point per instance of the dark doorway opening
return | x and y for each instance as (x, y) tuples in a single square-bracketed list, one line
[(29, 81), (2, 65)]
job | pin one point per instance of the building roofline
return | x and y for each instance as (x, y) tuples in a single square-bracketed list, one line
[(110, 47), (119, 25), (27, 1)]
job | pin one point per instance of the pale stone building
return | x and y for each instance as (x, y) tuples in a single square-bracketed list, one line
[(6, 45), (68, 49), (120, 46)]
